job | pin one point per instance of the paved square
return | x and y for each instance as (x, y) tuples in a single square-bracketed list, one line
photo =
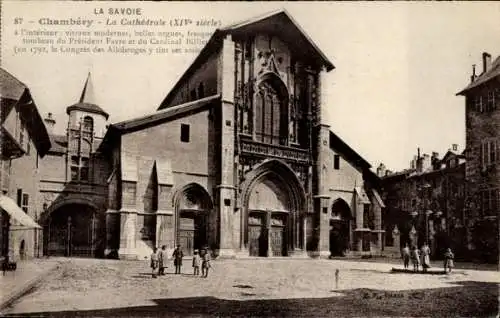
[(259, 287)]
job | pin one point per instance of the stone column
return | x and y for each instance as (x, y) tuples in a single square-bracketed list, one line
[(226, 190), (226, 207), (324, 226), (165, 229)]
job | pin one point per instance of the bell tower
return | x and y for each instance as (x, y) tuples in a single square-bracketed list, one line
[(86, 128)]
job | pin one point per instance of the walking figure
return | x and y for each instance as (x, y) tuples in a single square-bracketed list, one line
[(196, 263), (178, 255), (205, 266), (415, 258), (426, 259), (154, 262), (405, 253), (162, 260), (448, 260), (337, 272)]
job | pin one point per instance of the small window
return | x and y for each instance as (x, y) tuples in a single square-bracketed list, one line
[(336, 162), (88, 123), (201, 91), (479, 103), (490, 104), (184, 133), (19, 197), (25, 202)]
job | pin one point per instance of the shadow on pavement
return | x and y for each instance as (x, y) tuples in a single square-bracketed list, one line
[(470, 299)]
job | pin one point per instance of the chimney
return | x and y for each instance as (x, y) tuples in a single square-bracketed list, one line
[(435, 160), (454, 147), (50, 123), (381, 170), (473, 76), (486, 62)]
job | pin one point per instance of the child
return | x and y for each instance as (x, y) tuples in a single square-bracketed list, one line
[(205, 266), (415, 258), (448, 260), (154, 262), (406, 256), (196, 263)]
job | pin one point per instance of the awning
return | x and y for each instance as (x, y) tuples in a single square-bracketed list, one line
[(361, 194), (17, 214)]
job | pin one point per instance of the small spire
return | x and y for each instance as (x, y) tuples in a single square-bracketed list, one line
[(88, 92)]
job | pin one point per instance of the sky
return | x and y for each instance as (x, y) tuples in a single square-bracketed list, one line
[(398, 66)]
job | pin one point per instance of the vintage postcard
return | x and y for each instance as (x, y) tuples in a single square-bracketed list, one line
[(309, 159)]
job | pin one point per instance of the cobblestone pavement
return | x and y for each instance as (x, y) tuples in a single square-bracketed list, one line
[(258, 287)]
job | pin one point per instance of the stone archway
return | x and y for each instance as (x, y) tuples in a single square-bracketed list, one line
[(194, 220), (273, 201), (340, 223), (70, 229)]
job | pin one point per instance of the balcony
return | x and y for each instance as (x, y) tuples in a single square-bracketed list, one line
[(258, 149)]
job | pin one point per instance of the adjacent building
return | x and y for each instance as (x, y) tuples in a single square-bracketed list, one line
[(425, 204), (482, 120), (24, 142), (237, 158)]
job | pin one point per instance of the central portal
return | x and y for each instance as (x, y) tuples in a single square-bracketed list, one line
[(269, 218)]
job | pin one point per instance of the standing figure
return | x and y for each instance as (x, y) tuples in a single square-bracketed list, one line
[(196, 263), (162, 260), (426, 259), (154, 262), (337, 274), (448, 260), (205, 266), (178, 255), (405, 253), (415, 258)]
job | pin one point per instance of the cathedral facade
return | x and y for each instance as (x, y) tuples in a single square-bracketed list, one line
[(236, 158)]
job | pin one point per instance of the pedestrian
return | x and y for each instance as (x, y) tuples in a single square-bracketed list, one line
[(178, 255), (205, 266), (162, 260), (448, 260), (337, 274), (415, 258), (405, 253), (426, 258), (154, 262), (196, 263)]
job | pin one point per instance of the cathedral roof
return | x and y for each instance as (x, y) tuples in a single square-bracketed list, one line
[(86, 102), (166, 114), (275, 23)]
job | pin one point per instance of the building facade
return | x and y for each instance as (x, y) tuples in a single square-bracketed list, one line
[(482, 120), (24, 142), (236, 157), (73, 188), (425, 204)]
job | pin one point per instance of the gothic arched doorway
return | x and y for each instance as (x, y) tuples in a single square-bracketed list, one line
[(273, 201), (193, 218), (340, 219), (70, 230)]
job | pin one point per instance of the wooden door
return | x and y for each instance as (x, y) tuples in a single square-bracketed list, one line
[(256, 235), (277, 234), (277, 241), (186, 234)]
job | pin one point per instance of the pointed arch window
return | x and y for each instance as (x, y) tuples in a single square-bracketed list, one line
[(88, 123), (271, 111)]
